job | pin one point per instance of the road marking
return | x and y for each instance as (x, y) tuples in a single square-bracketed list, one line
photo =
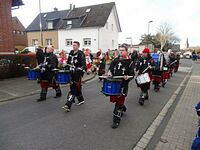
[(9, 93)]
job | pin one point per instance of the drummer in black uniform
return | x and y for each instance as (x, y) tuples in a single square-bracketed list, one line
[(121, 66), (47, 75), (145, 65), (76, 63)]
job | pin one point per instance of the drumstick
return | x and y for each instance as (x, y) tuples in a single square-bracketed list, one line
[(173, 62), (146, 69), (119, 77), (114, 77)]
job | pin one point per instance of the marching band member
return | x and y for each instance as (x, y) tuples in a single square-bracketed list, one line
[(172, 61), (47, 76), (76, 64), (159, 62), (144, 65), (177, 62), (100, 63), (120, 66), (88, 60)]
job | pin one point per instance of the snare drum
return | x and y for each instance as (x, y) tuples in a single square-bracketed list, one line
[(63, 77), (143, 78), (111, 87), (33, 74)]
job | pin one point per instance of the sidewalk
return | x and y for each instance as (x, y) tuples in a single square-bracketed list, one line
[(182, 126), (19, 87)]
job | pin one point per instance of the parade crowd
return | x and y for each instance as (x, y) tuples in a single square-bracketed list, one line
[(145, 68)]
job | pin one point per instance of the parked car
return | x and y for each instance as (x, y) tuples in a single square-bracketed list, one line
[(28, 50), (187, 55)]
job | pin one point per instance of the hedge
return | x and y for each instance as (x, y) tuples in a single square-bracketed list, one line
[(12, 65)]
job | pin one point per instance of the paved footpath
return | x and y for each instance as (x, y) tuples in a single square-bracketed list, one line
[(182, 126), (19, 87)]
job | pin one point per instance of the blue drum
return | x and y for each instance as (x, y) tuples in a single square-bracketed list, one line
[(63, 77), (111, 87), (33, 74)]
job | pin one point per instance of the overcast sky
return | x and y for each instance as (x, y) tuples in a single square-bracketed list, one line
[(182, 15)]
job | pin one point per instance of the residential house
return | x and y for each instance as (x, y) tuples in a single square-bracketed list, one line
[(6, 35), (19, 34), (95, 27)]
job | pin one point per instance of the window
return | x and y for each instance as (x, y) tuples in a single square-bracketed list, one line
[(87, 41), (14, 32), (112, 27), (48, 41), (34, 42), (68, 42), (50, 25), (69, 22), (106, 25), (113, 43)]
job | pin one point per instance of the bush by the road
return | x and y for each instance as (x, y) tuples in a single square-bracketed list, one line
[(12, 65)]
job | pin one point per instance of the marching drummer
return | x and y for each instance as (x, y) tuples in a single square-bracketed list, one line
[(157, 72), (144, 65), (121, 66), (76, 63), (47, 75)]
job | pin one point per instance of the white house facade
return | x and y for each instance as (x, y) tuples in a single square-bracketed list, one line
[(93, 38)]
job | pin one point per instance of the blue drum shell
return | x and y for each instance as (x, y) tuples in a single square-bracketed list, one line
[(111, 88), (33, 74), (63, 77)]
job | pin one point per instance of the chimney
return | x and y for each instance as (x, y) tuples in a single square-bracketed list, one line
[(55, 9), (70, 6), (73, 6)]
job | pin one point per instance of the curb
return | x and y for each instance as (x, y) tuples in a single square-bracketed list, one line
[(37, 91), (149, 133)]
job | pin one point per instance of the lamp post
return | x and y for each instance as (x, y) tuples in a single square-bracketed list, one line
[(148, 32), (40, 16)]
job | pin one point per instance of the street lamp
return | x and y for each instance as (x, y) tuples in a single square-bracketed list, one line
[(148, 32), (40, 16), (149, 25)]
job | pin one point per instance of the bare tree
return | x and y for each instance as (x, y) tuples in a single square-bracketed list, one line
[(165, 34)]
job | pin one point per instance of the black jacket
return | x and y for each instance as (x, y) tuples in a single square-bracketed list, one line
[(77, 59), (50, 62), (120, 67), (143, 63)]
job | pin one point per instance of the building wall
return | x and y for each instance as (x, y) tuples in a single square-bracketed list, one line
[(6, 35), (46, 35), (79, 35), (107, 34), (19, 34)]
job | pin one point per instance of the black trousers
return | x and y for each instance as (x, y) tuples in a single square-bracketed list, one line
[(75, 89)]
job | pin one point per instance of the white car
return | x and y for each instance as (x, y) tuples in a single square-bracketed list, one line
[(28, 50)]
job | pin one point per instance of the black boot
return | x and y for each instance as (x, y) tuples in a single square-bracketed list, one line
[(68, 104), (146, 95), (142, 98), (43, 95), (80, 100), (58, 93), (156, 87), (117, 114)]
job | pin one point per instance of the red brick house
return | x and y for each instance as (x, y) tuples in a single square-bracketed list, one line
[(19, 34), (6, 30)]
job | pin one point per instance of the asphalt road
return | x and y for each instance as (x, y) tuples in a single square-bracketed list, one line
[(28, 125)]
